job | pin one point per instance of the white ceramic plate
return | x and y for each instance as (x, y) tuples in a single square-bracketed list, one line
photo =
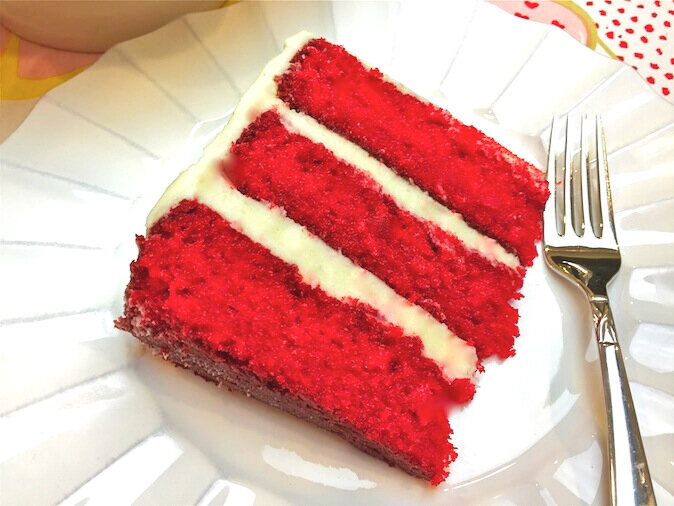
[(87, 414)]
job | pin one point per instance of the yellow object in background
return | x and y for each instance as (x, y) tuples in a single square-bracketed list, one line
[(14, 86), (45, 43)]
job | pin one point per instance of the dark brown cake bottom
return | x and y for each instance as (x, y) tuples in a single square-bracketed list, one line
[(222, 370)]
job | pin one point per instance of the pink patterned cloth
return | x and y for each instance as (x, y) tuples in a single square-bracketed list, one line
[(638, 32)]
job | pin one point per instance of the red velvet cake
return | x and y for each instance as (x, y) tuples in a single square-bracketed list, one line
[(344, 251)]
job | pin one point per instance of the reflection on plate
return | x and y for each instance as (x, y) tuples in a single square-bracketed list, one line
[(80, 175)]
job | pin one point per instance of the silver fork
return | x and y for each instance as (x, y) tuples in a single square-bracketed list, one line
[(580, 244)]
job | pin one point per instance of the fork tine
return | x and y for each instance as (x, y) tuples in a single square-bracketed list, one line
[(576, 189), (593, 175), (551, 231), (585, 188), (607, 225), (566, 188)]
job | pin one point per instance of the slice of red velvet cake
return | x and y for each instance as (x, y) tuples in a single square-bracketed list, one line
[(344, 251)]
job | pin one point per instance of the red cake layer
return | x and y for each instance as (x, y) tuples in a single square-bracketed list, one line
[(498, 193), (210, 298), (347, 209)]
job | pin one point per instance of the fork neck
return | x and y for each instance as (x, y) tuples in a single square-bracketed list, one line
[(598, 298), (604, 327)]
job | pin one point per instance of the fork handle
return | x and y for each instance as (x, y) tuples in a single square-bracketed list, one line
[(629, 476)]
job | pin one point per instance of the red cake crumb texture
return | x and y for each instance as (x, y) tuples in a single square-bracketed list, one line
[(198, 280), (496, 192), (347, 209)]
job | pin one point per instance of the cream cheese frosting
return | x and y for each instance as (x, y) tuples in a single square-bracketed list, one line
[(407, 195), (320, 265)]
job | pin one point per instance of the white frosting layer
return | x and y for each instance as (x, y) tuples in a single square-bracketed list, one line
[(318, 263), (321, 265), (407, 195)]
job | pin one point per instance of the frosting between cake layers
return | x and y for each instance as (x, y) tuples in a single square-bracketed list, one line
[(407, 195), (320, 265)]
